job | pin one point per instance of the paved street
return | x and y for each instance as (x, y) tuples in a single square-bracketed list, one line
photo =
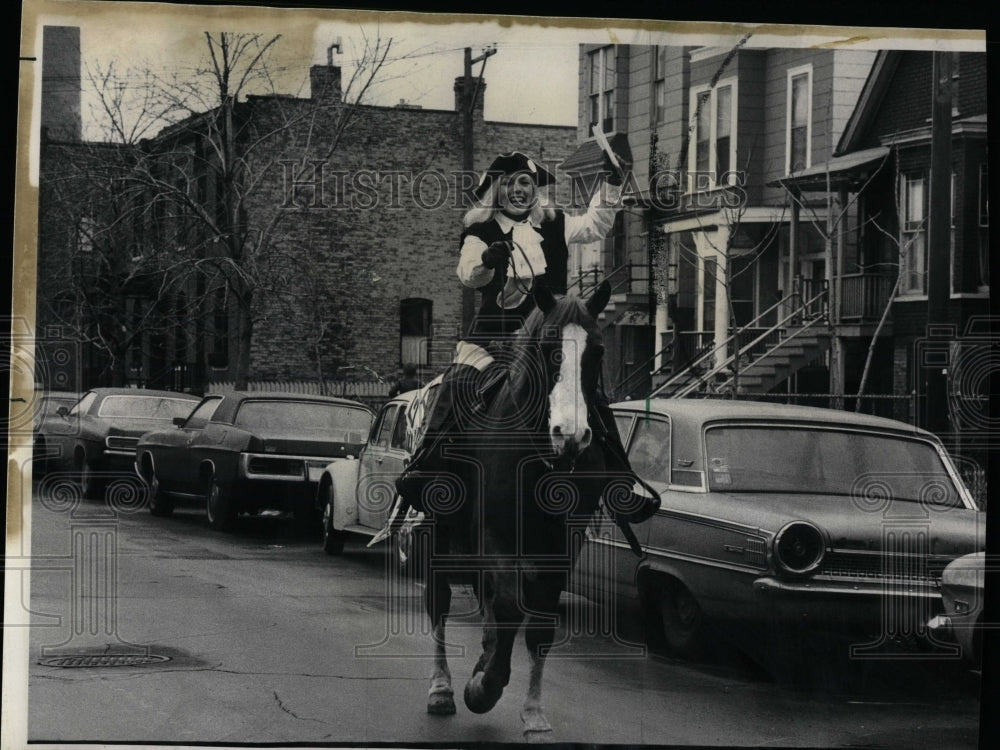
[(266, 637)]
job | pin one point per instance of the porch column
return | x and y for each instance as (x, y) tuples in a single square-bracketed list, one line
[(717, 249), (660, 327), (793, 252)]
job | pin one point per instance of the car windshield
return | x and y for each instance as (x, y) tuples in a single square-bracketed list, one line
[(332, 421), (146, 407), (866, 466)]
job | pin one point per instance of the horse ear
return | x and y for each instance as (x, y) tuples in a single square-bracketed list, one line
[(544, 298), (599, 299)]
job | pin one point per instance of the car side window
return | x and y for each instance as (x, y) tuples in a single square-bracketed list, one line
[(623, 420), (649, 451), (380, 435), (202, 413), (399, 433), (84, 404)]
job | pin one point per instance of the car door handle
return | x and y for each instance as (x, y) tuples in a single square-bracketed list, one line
[(379, 459)]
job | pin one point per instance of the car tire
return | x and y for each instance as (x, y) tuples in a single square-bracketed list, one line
[(219, 506), (159, 503), (682, 623), (91, 485), (333, 539)]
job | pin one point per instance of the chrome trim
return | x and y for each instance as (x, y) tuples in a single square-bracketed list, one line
[(315, 462), (817, 561), (810, 587), (119, 452)]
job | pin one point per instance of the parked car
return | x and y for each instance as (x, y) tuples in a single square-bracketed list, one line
[(250, 451), (97, 435), (43, 408), (776, 517), (357, 495), (962, 587)]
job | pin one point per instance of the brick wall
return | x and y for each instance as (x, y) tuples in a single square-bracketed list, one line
[(376, 243)]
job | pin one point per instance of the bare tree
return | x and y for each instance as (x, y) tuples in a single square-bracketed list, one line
[(204, 154)]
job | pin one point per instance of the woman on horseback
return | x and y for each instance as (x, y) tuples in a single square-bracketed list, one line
[(509, 244)]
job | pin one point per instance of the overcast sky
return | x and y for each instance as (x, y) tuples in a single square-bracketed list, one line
[(532, 78)]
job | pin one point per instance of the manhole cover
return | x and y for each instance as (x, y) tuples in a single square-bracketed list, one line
[(103, 660)]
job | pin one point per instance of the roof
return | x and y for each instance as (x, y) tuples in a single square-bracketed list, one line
[(287, 396), (142, 392), (848, 171), (705, 410), (589, 157), (869, 100)]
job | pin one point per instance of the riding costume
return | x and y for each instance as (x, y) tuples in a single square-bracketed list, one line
[(502, 257)]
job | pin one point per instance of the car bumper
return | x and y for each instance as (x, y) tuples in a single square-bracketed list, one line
[(862, 606), (253, 495)]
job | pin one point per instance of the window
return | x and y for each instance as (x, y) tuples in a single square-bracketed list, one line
[(285, 417), (220, 331), (202, 414), (649, 452), (602, 89), (799, 120), (414, 331), (380, 435), (399, 433), (83, 405), (85, 230), (145, 407), (659, 67), (708, 294), (825, 463), (616, 245), (712, 152), (913, 247), (180, 327)]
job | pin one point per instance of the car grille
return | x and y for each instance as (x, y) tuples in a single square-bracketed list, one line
[(888, 568), (117, 442)]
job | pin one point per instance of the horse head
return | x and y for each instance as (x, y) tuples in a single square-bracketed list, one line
[(572, 356)]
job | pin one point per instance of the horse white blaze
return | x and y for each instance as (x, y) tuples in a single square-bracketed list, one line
[(568, 429)]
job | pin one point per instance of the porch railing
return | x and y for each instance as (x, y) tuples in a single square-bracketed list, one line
[(811, 308), (863, 296), (630, 278)]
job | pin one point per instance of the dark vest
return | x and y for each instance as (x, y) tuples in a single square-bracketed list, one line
[(493, 322)]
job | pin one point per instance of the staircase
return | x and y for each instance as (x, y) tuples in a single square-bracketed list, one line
[(755, 359)]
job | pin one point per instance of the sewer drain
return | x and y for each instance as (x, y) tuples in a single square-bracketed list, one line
[(103, 660)]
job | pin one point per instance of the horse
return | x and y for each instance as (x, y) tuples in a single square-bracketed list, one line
[(529, 477)]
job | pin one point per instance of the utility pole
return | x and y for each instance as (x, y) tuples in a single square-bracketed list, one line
[(468, 152), (939, 238)]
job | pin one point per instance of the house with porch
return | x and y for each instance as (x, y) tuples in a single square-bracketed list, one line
[(773, 241)]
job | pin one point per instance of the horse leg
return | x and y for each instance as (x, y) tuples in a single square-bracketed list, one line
[(539, 634), (501, 617), (437, 598)]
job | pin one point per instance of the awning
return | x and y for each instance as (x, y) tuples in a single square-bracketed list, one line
[(588, 159), (849, 171)]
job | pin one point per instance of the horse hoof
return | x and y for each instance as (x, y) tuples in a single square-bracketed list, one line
[(477, 698), (441, 703), (536, 726)]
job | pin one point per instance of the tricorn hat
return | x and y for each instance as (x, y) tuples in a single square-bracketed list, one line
[(512, 163)]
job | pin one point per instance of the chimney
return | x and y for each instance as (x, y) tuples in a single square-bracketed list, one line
[(61, 83), (324, 80), (480, 94)]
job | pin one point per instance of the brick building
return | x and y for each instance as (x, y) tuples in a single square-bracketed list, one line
[(352, 223)]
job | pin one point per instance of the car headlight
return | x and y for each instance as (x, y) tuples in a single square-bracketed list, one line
[(799, 548)]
